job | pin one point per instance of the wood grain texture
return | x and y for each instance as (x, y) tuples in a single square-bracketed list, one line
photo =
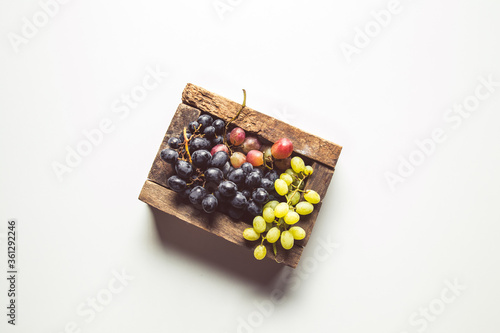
[(219, 224), (269, 128)]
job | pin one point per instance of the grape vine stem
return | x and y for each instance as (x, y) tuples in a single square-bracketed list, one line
[(186, 141), (236, 116)]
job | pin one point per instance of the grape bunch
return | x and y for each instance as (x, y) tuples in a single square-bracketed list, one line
[(216, 170), (278, 218)]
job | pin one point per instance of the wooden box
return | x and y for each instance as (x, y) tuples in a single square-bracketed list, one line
[(196, 100)]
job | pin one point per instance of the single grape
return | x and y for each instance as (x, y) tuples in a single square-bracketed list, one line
[(253, 179), (260, 171), (237, 159), (304, 208), (219, 140), (295, 199), (209, 203), (250, 234), (199, 143), (298, 233), (273, 235), (209, 132), (219, 147), (247, 193), (259, 224), (174, 142), (176, 183), (193, 126), (286, 240), (237, 176), (281, 209), (254, 208), (239, 201), (227, 168), (228, 188), (268, 214), (247, 167), (292, 173), (267, 155), (267, 184), (291, 217), (214, 175), (170, 156), (197, 194), (255, 158), (312, 196), (308, 170), (219, 126), (201, 158), (219, 159), (260, 195), (282, 164), (297, 164), (205, 120), (260, 252), (272, 175), (282, 148), (281, 187), (286, 177), (184, 169), (237, 136), (250, 143), (271, 204)]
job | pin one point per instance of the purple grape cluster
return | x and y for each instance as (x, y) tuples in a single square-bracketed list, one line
[(210, 182)]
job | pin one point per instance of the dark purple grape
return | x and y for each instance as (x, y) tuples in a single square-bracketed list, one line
[(214, 175), (237, 176), (247, 193), (247, 167), (199, 144), (193, 126), (239, 201), (209, 203), (217, 141), (209, 132), (201, 158), (205, 120), (272, 175), (260, 195), (228, 188), (219, 126), (176, 184), (181, 137), (253, 179), (185, 194), (197, 194), (227, 168), (174, 142), (219, 159), (267, 184), (184, 169), (220, 197), (169, 155), (254, 208), (260, 171)]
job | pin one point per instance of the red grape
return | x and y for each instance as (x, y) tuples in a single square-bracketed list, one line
[(237, 136), (283, 148), (250, 143), (255, 158), (237, 159), (220, 147)]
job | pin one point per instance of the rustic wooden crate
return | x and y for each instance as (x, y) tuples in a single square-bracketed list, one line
[(196, 100)]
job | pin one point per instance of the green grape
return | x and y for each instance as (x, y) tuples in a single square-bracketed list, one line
[(308, 170), (287, 178), (304, 208), (281, 187), (298, 233), (292, 217), (312, 196), (287, 240), (292, 173), (260, 252), (298, 164), (250, 234), (271, 204), (295, 199), (259, 224), (281, 210), (273, 235), (290, 188), (268, 214)]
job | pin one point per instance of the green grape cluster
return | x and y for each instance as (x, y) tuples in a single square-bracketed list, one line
[(278, 219)]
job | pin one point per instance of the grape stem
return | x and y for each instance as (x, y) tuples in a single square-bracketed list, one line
[(186, 141), (234, 118), (296, 190)]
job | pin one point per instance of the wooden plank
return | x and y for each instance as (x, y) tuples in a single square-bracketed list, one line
[(160, 171), (262, 125), (219, 224)]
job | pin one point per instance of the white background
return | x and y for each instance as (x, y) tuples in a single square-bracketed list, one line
[(395, 248)]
